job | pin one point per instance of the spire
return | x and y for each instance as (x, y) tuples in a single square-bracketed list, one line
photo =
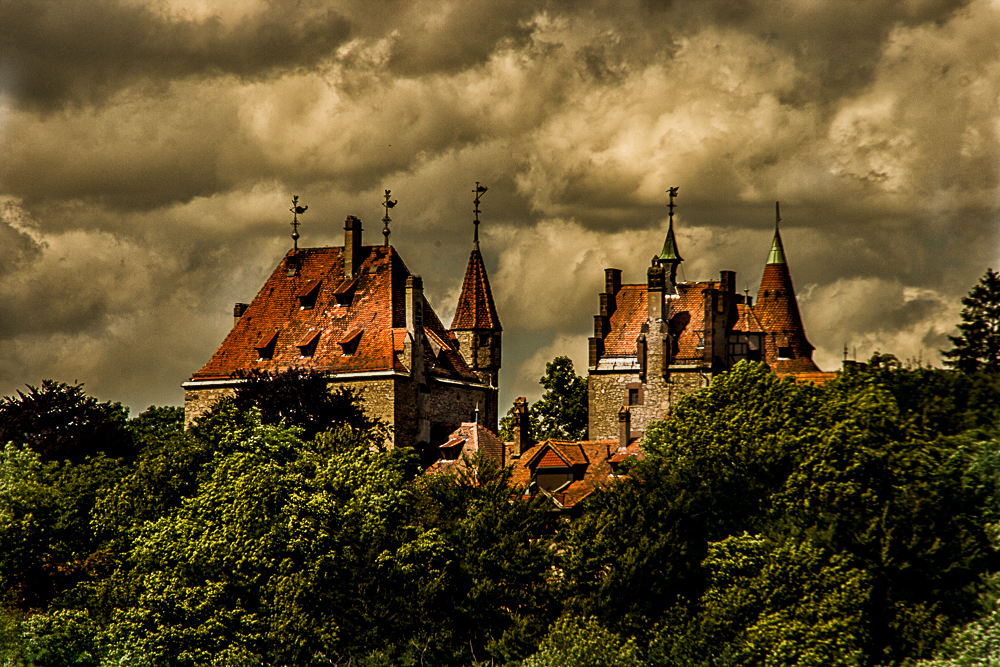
[(788, 349), (476, 309), (387, 204), (479, 191), (777, 254), (670, 252)]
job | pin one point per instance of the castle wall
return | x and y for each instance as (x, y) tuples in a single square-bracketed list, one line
[(198, 402)]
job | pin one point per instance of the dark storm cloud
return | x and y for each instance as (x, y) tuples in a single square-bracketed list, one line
[(150, 149), (58, 51)]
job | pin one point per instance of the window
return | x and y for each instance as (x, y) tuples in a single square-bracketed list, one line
[(265, 346), (552, 481), (635, 393), (345, 292), (349, 343), (307, 295), (307, 346), (785, 353)]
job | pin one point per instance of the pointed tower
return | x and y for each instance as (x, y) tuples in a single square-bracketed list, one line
[(670, 258), (787, 350), (476, 324)]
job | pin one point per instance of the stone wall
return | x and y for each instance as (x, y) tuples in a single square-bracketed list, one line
[(199, 401), (606, 393)]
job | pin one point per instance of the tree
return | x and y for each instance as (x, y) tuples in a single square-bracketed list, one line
[(978, 344), (300, 397), (60, 422), (562, 411), (583, 642)]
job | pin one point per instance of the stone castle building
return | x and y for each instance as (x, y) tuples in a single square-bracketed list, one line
[(658, 341), (359, 315)]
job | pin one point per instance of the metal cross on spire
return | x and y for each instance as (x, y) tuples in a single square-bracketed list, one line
[(296, 211), (388, 203), (480, 189), (673, 193)]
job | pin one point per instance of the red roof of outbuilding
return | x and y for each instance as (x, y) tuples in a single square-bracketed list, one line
[(476, 309), (375, 311)]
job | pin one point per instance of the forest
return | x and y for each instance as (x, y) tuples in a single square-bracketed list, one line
[(771, 523)]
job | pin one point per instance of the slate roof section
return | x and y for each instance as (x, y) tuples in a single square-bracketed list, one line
[(376, 306), (476, 309)]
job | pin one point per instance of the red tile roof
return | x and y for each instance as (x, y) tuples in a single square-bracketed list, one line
[(778, 312), (473, 438), (375, 311), (476, 309)]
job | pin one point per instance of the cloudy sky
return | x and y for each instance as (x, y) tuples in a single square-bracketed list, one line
[(149, 150)]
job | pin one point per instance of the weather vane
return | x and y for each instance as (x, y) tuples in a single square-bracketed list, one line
[(480, 189), (296, 210), (673, 193), (388, 203)]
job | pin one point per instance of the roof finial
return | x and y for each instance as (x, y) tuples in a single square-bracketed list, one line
[(670, 254), (477, 413), (673, 193), (388, 203), (480, 189), (296, 210), (777, 214)]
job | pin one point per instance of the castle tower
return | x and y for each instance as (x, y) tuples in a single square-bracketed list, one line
[(477, 326), (670, 258), (787, 350)]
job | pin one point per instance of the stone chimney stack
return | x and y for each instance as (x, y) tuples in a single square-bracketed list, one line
[(352, 246), (612, 281), (522, 426), (624, 427), (238, 311), (654, 291)]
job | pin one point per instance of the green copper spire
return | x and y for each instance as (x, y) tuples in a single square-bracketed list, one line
[(777, 254), (669, 252)]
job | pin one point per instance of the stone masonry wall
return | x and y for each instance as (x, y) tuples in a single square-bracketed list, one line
[(199, 401), (607, 392)]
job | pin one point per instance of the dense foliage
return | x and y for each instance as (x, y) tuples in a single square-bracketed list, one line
[(562, 411), (978, 344), (772, 523)]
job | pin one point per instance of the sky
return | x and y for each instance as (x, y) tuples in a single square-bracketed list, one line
[(149, 150)]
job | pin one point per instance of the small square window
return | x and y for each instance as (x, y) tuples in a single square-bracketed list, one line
[(633, 397), (785, 353)]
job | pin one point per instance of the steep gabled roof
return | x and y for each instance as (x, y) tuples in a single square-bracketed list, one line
[(476, 309), (472, 438), (368, 310)]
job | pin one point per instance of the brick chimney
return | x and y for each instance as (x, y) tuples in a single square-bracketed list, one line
[(624, 427), (238, 311), (522, 426), (352, 246)]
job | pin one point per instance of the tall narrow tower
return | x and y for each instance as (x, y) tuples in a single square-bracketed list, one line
[(477, 325), (786, 347)]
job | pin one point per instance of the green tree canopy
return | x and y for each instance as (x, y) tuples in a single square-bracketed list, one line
[(562, 411), (978, 343), (61, 422)]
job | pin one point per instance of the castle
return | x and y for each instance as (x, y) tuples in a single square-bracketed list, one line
[(658, 341), (357, 314)]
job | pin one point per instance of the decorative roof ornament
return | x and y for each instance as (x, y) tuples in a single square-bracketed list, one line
[(670, 252), (479, 191), (296, 211), (777, 254), (387, 204)]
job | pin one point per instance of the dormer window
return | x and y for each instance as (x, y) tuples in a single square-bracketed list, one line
[(345, 292), (307, 345), (307, 295), (265, 346), (349, 343)]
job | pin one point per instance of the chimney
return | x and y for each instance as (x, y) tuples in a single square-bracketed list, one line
[(624, 427), (414, 304), (352, 246), (654, 291), (238, 311), (728, 280), (522, 426), (612, 281)]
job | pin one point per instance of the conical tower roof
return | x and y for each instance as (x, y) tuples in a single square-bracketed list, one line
[(778, 312), (670, 252), (476, 309)]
